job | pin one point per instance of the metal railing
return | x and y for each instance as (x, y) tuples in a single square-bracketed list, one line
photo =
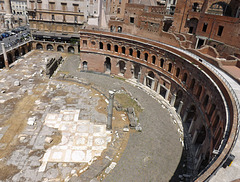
[(220, 74), (11, 47)]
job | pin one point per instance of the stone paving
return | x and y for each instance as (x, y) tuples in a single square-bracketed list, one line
[(81, 140), (35, 109)]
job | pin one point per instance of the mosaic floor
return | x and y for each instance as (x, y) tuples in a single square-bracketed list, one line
[(81, 140)]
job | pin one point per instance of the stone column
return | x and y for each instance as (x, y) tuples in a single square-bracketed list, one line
[(198, 151), (191, 126), (153, 84), (173, 99), (158, 88), (110, 110), (180, 107), (5, 56), (195, 135), (8, 17), (167, 94), (185, 115), (139, 76), (7, 6), (198, 162), (145, 81)]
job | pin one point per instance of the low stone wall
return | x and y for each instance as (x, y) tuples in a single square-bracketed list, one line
[(52, 65)]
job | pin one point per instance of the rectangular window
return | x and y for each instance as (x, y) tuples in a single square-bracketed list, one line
[(75, 19), (53, 17), (75, 7), (32, 5), (64, 6), (131, 20), (51, 5), (204, 29), (220, 30), (40, 5), (118, 10), (84, 43), (40, 16)]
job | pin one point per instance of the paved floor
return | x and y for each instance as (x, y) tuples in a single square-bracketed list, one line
[(81, 139), (28, 96)]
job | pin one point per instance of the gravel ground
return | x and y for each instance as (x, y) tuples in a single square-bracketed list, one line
[(154, 153)]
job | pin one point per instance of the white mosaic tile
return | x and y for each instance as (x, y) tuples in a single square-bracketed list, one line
[(81, 140)]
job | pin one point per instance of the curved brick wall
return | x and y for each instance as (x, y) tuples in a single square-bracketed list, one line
[(180, 79), (198, 95)]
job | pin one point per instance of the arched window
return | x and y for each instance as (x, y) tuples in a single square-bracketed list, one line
[(60, 48), (215, 124), (195, 7), (179, 96), (162, 62), (39, 46), (191, 114), (116, 48), (10, 58), (184, 79), (49, 47), (123, 50), (130, 51), (100, 45), (192, 25), (212, 109), (138, 54), (23, 51), (16, 54), (170, 67), (216, 139), (150, 80), (122, 67), (205, 103), (137, 70), (146, 56), (109, 47), (112, 28), (192, 84), (201, 136), (85, 68), (107, 65), (220, 8), (199, 91), (71, 49), (178, 72), (153, 59), (119, 29)]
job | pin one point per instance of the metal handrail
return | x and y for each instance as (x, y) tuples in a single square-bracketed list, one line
[(17, 45)]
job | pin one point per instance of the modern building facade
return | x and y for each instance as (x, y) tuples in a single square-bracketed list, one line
[(62, 16), (19, 7)]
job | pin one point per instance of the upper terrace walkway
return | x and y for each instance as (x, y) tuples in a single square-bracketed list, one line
[(233, 172)]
